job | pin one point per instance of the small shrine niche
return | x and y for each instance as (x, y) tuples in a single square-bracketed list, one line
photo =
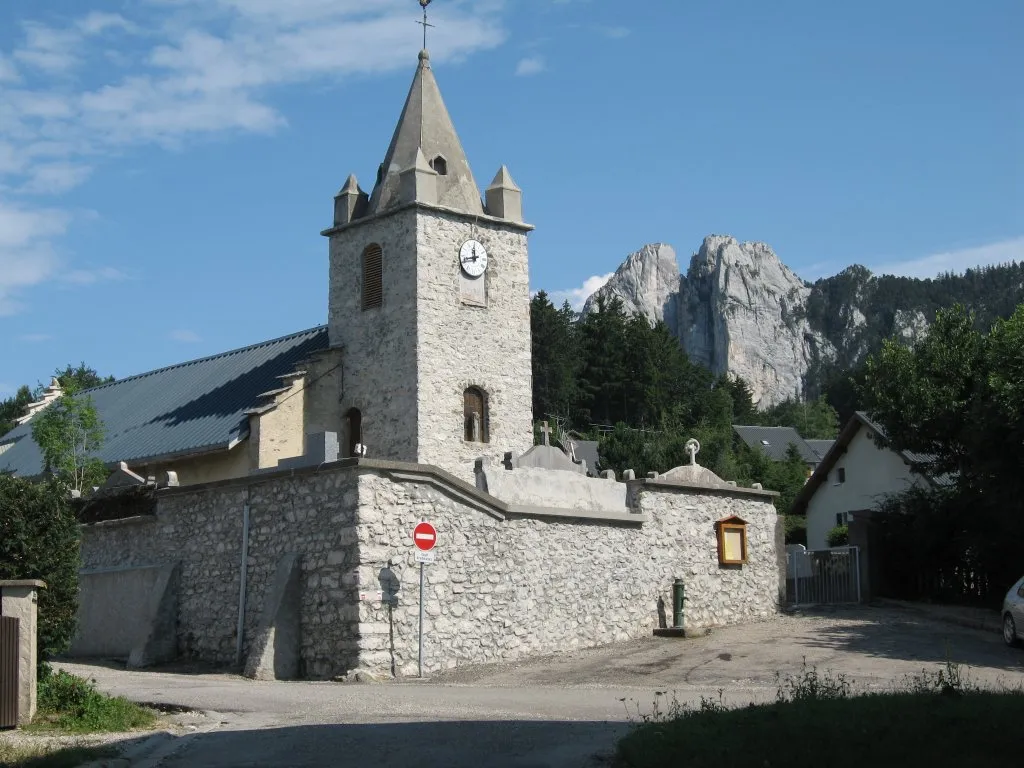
[(732, 541)]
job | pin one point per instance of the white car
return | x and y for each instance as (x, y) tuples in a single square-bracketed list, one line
[(1013, 614)]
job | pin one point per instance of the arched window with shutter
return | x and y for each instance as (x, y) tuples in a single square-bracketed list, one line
[(476, 427), (373, 277)]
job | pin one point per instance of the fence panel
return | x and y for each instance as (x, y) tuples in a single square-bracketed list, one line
[(828, 576), (8, 672)]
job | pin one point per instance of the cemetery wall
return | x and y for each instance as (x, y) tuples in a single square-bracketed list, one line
[(504, 586)]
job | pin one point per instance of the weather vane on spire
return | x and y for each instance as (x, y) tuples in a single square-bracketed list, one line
[(425, 23)]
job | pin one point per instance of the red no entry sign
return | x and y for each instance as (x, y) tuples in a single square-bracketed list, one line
[(424, 536)]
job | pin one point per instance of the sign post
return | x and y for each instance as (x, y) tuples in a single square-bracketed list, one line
[(424, 536)]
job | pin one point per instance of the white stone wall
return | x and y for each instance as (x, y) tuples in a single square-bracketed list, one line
[(378, 374), (505, 589), (312, 514), (462, 345), (500, 590)]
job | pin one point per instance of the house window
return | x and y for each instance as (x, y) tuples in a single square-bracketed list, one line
[(354, 419), (841, 475), (373, 277), (475, 421), (440, 165), (732, 541)]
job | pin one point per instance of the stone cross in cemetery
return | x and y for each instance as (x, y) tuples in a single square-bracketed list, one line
[(693, 448), (546, 431)]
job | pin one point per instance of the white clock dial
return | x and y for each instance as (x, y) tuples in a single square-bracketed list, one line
[(473, 258)]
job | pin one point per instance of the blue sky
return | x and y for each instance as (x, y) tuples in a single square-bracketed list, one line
[(166, 166)]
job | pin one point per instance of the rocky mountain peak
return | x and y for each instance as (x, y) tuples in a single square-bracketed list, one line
[(737, 311)]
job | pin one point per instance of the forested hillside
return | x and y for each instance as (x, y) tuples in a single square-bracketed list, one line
[(628, 383), (856, 311)]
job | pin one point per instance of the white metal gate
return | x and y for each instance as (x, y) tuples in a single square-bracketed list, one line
[(829, 576)]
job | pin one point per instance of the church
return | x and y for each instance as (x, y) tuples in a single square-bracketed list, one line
[(425, 356), (262, 508)]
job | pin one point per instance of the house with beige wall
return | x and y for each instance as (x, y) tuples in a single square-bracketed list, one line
[(856, 473)]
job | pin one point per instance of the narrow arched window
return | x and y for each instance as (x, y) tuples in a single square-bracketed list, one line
[(373, 277), (476, 426), (440, 165), (354, 425)]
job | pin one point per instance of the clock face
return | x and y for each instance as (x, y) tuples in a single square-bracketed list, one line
[(473, 257)]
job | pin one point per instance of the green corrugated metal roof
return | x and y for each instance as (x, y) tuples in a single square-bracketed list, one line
[(188, 408)]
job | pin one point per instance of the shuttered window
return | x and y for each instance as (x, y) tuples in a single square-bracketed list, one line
[(373, 277), (475, 415)]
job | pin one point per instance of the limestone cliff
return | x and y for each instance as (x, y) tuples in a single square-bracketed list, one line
[(738, 310)]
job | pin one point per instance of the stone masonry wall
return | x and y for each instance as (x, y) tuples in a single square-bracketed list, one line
[(506, 589), (311, 514), (378, 373), (500, 590), (461, 345)]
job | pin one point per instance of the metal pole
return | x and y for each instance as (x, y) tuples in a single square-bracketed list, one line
[(242, 578), (421, 622)]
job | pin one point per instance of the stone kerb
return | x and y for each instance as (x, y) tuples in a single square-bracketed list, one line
[(18, 599)]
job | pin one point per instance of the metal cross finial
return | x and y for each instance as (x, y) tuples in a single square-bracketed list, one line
[(693, 448), (425, 23), (545, 430)]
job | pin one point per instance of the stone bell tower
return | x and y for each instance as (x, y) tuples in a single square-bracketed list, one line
[(430, 302)]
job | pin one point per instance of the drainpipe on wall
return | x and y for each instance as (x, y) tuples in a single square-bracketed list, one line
[(240, 633)]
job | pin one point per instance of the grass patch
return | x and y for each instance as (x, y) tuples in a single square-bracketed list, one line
[(933, 719), (40, 756), (73, 705)]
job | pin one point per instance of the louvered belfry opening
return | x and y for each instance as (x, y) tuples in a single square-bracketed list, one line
[(373, 277), (475, 413)]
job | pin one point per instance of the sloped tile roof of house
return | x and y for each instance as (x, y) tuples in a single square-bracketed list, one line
[(186, 409), (775, 442), (821, 447)]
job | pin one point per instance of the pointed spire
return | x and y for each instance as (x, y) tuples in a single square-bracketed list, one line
[(350, 203), (425, 127), (504, 197)]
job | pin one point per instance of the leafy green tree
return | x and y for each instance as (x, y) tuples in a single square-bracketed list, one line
[(814, 420), (954, 399), (12, 408), (69, 434), (76, 378), (39, 539)]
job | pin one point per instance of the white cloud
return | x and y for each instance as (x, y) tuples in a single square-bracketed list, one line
[(170, 70), (91, 276), (27, 254), (184, 336), (577, 296), (531, 65), (54, 178), (999, 252), (8, 72)]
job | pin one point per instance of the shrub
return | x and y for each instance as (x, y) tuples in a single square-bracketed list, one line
[(72, 703), (839, 536), (39, 539), (796, 529)]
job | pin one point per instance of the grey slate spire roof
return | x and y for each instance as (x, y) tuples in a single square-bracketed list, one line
[(425, 125)]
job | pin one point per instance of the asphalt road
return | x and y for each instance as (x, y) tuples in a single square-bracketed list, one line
[(566, 710)]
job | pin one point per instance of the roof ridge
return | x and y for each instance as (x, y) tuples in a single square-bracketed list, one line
[(205, 359)]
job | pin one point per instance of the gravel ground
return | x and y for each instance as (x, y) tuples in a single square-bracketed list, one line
[(563, 710)]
